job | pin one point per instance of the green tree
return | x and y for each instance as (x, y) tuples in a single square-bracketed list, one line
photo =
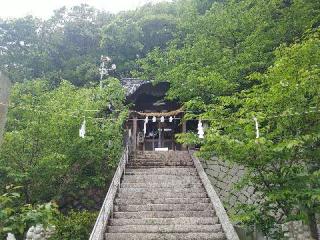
[(283, 164), (17, 217), (213, 65), (42, 150)]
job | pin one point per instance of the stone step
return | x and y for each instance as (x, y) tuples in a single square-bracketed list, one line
[(165, 236), (151, 154), (163, 214), (164, 228), (163, 191), (162, 198), (158, 180), (138, 201), (155, 195), (143, 159), (193, 188), (160, 185), (168, 170), (161, 177), (152, 161), (163, 207), (165, 221), (160, 164)]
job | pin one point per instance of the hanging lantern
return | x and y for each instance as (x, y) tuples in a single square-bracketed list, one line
[(154, 119), (200, 130), (171, 119), (162, 119)]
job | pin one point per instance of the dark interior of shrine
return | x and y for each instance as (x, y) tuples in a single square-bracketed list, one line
[(151, 98)]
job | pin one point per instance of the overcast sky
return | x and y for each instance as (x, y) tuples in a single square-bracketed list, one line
[(44, 8)]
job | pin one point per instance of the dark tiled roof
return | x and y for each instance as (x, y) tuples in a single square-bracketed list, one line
[(132, 84)]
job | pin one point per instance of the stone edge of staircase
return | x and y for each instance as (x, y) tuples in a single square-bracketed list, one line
[(215, 200), (106, 210)]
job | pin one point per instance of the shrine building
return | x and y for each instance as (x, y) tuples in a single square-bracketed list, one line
[(153, 120)]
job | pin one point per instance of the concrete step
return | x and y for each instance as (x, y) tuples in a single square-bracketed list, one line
[(165, 171), (161, 160), (163, 191), (168, 181), (138, 201), (165, 236), (163, 207), (162, 198), (160, 174), (165, 221), (157, 166), (160, 164), (160, 185), (153, 153), (164, 214), (140, 159), (160, 178), (164, 228), (155, 195)]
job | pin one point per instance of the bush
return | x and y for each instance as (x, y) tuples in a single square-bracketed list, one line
[(42, 150), (74, 226), (17, 217)]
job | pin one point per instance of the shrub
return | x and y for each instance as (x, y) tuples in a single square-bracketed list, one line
[(74, 226)]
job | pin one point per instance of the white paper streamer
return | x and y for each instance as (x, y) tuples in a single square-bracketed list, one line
[(257, 127), (82, 131), (145, 126), (200, 130)]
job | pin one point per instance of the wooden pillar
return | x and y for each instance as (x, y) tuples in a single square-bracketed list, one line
[(160, 135), (184, 130), (134, 133)]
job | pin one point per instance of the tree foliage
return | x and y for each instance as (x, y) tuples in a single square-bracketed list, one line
[(226, 60), (243, 59), (42, 146), (16, 217)]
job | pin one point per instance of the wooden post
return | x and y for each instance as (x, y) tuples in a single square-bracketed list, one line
[(160, 137), (5, 85), (134, 134), (184, 130)]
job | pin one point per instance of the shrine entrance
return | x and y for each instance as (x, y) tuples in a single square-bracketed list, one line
[(154, 121)]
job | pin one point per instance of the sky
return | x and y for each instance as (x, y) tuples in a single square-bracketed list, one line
[(44, 8)]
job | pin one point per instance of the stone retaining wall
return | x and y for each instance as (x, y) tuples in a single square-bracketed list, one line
[(296, 230), (223, 176)]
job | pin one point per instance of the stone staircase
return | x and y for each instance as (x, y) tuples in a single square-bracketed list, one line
[(162, 197)]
